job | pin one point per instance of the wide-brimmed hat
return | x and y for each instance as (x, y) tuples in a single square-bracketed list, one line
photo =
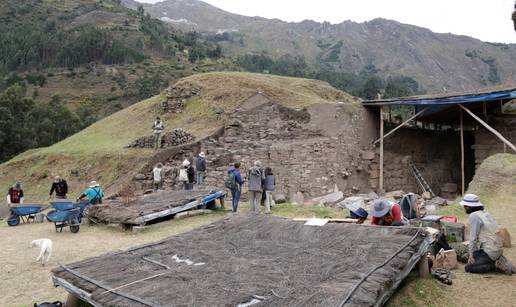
[(380, 208), (257, 163), (186, 163), (202, 155), (471, 200), (359, 213), (93, 184)]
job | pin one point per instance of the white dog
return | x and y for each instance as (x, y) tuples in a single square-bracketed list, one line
[(45, 246)]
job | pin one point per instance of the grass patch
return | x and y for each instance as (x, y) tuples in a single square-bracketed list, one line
[(293, 211)]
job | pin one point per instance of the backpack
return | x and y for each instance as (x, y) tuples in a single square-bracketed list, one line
[(230, 182), (183, 176)]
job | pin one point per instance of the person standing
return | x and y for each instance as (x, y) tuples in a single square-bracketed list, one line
[(158, 177), (234, 182), (60, 186), (485, 247), (256, 177), (94, 193), (270, 187), (15, 195), (190, 171), (200, 168), (158, 128)]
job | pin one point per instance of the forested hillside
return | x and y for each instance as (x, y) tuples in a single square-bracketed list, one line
[(66, 63)]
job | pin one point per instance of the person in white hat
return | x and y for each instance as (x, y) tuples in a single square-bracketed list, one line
[(386, 213), (94, 193), (187, 175), (485, 247), (200, 168)]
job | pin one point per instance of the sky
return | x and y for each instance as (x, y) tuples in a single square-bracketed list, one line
[(487, 20)]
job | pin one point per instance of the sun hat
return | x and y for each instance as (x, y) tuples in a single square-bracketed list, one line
[(202, 155), (355, 205), (186, 163), (257, 163), (471, 200), (359, 213), (380, 208), (17, 185), (93, 184)]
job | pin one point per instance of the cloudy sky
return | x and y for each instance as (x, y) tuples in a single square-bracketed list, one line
[(488, 20)]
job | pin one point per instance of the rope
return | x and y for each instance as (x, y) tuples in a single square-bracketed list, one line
[(355, 287)]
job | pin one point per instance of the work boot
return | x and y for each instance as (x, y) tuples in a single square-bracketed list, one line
[(505, 266)]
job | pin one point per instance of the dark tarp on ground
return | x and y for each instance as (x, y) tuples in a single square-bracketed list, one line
[(286, 262)]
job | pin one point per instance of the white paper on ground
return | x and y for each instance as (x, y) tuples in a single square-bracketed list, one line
[(316, 222)]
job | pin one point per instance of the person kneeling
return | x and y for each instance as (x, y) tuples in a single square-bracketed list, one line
[(386, 213), (485, 247)]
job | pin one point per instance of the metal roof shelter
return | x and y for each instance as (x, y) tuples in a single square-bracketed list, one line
[(446, 109)]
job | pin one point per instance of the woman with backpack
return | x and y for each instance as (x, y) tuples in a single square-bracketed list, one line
[(270, 187), (234, 182)]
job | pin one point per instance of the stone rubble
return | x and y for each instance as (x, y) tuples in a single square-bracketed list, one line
[(177, 136)]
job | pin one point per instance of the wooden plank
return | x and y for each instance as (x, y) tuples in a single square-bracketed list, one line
[(509, 144), (400, 125), (83, 295), (304, 219), (462, 151), (164, 213)]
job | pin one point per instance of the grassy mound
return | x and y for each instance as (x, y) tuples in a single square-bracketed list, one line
[(98, 153)]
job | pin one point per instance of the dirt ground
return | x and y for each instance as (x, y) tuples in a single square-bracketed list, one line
[(24, 282)]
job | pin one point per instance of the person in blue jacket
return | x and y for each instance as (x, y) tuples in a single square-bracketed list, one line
[(236, 182), (94, 193)]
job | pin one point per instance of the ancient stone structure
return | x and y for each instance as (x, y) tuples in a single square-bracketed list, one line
[(177, 96), (310, 150), (176, 137)]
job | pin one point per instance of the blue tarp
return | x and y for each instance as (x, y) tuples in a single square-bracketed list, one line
[(502, 95)]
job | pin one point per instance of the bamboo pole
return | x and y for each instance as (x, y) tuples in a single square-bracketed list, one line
[(509, 144), (462, 151), (381, 151), (399, 126)]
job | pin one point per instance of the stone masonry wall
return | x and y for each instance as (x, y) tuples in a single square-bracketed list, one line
[(435, 154), (310, 151)]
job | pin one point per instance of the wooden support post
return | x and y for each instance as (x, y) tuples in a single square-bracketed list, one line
[(422, 265), (498, 135), (462, 151), (71, 300), (381, 152), (484, 109)]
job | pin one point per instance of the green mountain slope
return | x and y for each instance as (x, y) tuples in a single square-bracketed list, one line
[(95, 52), (98, 153)]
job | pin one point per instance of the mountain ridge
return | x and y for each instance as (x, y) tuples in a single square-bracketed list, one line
[(440, 62)]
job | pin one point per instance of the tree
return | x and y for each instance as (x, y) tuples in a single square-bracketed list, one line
[(372, 88)]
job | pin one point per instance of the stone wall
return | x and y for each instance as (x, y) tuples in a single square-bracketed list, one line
[(435, 153), (487, 144), (311, 151)]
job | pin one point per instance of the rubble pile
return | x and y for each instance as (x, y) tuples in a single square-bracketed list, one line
[(176, 137)]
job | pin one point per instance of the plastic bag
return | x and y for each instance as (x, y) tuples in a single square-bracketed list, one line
[(445, 260)]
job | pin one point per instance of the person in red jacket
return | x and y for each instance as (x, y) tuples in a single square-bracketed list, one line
[(15, 195), (386, 213)]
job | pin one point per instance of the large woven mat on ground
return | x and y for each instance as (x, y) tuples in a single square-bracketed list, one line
[(128, 213), (229, 261)]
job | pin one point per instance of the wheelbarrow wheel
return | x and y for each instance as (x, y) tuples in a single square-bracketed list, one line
[(74, 228), (13, 221)]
